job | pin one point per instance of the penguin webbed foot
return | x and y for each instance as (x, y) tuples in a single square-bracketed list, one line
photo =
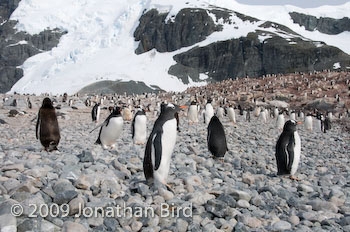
[(169, 188), (294, 178)]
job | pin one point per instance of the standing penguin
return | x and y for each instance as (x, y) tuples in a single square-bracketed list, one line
[(95, 113), (209, 112), (192, 114), (47, 129), (220, 112), (111, 129), (139, 127), (327, 124), (160, 145), (288, 149), (308, 122), (216, 138), (280, 121), (231, 114)]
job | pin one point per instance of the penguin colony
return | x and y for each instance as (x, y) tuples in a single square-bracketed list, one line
[(156, 162)]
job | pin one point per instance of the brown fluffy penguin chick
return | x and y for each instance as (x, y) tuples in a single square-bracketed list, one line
[(47, 129)]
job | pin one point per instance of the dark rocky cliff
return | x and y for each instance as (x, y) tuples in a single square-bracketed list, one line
[(245, 56), (323, 24), (16, 47)]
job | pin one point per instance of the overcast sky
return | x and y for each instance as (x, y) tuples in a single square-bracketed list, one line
[(299, 3)]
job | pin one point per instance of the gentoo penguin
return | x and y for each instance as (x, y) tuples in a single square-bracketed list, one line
[(327, 125), (47, 129), (288, 149), (139, 127), (257, 111), (275, 113), (127, 114), (111, 129), (216, 138), (192, 114), (280, 120), (220, 112), (319, 122), (263, 116), (231, 114), (308, 122), (160, 145), (30, 105), (95, 113), (209, 112), (292, 116)]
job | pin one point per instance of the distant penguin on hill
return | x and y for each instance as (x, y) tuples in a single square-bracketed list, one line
[(127, 114), (231, 114), (308, 122), (288, 150), (257, 111), (275, 113), (192, 114), (280, 121), (95, 113), (216, 138), (160, 145), (209, 112), (139, 127), (111, 129), (319, 122), (47, 129), (263, 116)]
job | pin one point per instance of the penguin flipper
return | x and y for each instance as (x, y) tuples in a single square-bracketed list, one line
[(37, 126), (157, 143), (133, 127), (290, 150), (98, 141)]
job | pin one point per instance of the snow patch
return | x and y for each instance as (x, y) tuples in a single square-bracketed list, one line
[(336, 65)]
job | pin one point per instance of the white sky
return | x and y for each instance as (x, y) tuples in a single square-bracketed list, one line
[(299, 3)]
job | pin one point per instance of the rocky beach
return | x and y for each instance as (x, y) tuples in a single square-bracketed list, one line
[(240, 193)]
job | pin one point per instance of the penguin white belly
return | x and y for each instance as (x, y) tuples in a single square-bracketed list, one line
[(192, 114), (168, 143), (232, 115), (308, 123), (257, 112), (112, 132), (221, 112), (263, 117), (280, 121), (297, 152), (98, 114), (318, 125), (275, 112), (140, 129), (292, 116), (302, 115), (209, 112)]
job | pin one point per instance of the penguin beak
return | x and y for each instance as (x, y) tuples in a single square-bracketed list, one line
[(183, 107), (300, 122)]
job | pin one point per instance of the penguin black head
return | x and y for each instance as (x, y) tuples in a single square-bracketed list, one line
[(170, 109), (47, 103), (209, 100), (193, 103), (116, 111), (290, 126)]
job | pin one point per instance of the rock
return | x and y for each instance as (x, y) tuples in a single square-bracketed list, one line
[(248, 178), (65, 197), (281, 226), (193, 181), (294, 220), (111, 223), (239, 195), (167, 195), (181, 225), (16, 167), (243, 204), (199, 198), (136, 226), (11, 184), (86, 156), (305, 188), (8, 223), (345, 221), (216, 207), (95, 221), (28, 187), (319, 205), (82, 182), (252, 222), (73, 227), (75, 205), (62, 185)]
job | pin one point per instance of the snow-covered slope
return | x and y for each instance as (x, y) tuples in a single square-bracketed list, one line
[(100, 45)]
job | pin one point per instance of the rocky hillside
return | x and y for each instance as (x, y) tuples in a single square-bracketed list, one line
[(272, 49), (16, 47), (323, 24)]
